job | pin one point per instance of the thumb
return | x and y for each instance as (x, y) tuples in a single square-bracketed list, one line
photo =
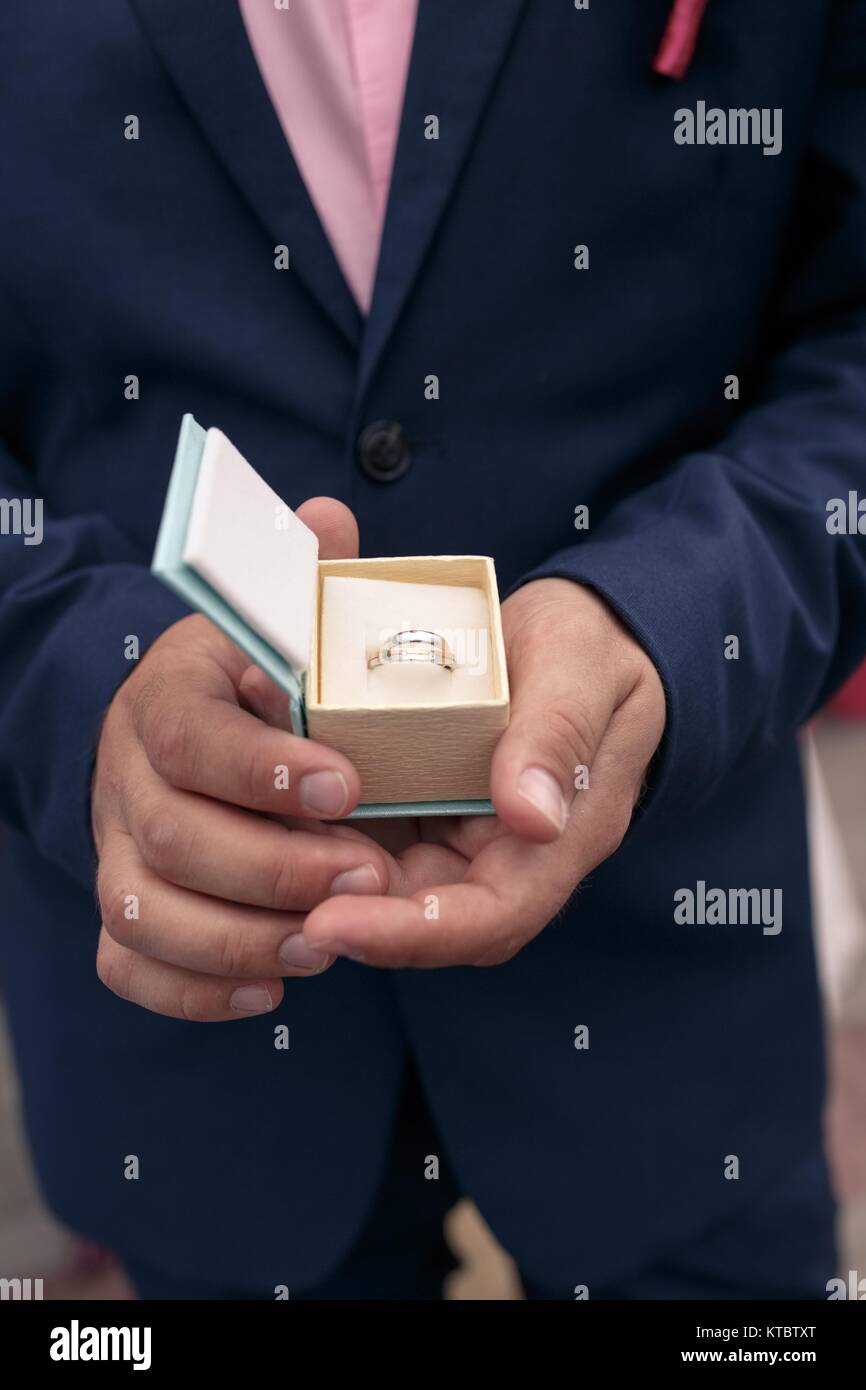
[(335, 525), (560, 709)]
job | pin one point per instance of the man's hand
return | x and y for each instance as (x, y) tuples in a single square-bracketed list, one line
[(587, 704), (202, 888)]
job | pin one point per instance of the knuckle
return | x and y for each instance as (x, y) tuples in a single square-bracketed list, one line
[(113, 967), (140, 697), (170, 742), (618, 834), (502, 952), (285, 886), (113, 903), (259, 774), (161, 841), (614, 831), (235, 954), (503, 948), (193, 1005), (570, 733), (107, 776)]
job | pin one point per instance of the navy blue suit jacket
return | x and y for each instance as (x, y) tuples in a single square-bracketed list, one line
[(558, 387)]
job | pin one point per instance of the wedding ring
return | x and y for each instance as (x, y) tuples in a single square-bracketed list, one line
[(415, 645)]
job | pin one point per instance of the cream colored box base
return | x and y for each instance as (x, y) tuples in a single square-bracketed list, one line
[(408, 752)]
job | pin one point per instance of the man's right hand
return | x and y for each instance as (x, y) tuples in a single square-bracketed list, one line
[(208, 861)]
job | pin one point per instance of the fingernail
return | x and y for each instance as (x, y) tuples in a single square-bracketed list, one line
[(252, 999), (364, 879), (325, 793), (339, 948), (296, 954), (541, 789)]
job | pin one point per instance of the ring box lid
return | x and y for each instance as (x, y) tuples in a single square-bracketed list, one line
[(234, 550)]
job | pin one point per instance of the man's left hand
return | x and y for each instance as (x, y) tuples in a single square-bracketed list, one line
[(587, 715)]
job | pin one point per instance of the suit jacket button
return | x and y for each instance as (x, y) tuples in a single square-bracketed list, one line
[(383, 451)]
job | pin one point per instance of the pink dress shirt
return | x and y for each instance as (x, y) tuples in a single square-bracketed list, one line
[(335, 71)]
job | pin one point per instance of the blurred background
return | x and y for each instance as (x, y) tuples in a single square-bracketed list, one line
[(33, 1245)]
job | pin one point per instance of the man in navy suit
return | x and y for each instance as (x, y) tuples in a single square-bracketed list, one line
[(646, 310)]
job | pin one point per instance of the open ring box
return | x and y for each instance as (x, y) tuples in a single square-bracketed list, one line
[(421, 737)]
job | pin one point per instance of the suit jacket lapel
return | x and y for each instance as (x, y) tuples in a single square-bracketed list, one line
[(204, 46), (458, 50)]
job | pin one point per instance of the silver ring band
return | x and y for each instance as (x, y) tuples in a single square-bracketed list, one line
[(416, 645)]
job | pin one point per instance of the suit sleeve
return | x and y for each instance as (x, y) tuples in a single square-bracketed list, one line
[(734, 541), (67, 606)]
